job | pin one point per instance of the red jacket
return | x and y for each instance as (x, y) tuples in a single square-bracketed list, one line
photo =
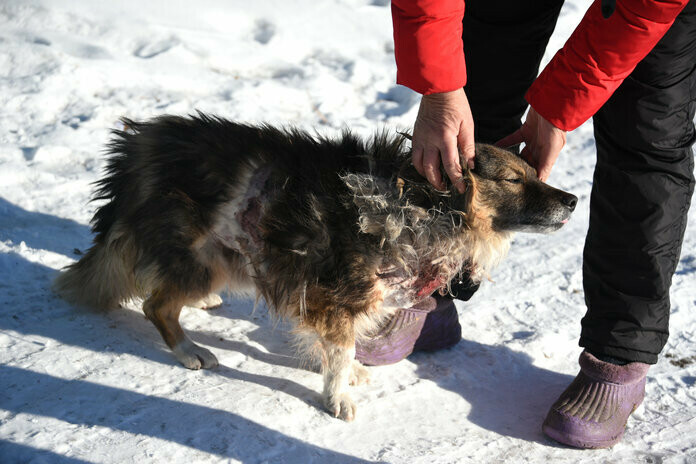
[(599, 55)]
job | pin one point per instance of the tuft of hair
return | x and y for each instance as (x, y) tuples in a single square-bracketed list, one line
[(419, 237), (103, 277), (307, 346)]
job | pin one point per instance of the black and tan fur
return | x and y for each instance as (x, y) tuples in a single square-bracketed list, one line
[(335, 234)]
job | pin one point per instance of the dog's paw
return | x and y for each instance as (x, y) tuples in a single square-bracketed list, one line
[(358, 374), (341, 406), (209, 302), (193, 356)]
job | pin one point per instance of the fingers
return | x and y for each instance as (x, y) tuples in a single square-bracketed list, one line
[(544, 172), (515, 138), (431, 167), (541, 162), (417, 160), (444, 122), (542, 143), (550, 142), (467, 144), (450, 161), (527, 155), (427, 163), (547, 156), (468, 155)]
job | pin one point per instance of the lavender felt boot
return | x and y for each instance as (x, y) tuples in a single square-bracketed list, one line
[(432, 324), (441, 328), (592, 412)]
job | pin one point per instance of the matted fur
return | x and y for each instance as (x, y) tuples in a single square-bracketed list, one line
[(335, 234)]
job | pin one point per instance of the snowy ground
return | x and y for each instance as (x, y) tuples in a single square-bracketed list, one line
[(80, 387)]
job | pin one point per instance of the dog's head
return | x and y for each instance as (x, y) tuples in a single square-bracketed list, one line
[(505, 188)]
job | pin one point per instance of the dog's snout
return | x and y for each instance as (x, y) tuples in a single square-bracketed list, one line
[(570, 201)]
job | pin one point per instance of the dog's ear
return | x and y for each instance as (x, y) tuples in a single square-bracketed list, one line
[(464, 201), (514, 149)]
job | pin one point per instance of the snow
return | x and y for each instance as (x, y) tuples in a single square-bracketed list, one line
[(79, 387)]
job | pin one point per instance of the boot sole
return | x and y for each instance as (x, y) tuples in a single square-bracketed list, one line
[(579, 442)]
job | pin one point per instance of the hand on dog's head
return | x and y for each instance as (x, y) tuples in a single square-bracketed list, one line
[(502, 187)]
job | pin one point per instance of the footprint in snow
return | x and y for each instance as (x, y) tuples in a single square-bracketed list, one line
[(29, 152), (264, 31), (147, 50), (40, 41)]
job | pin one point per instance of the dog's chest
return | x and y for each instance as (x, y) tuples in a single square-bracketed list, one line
[(401, 290)]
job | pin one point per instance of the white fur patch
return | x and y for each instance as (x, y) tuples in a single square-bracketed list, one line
[(211, 301), (193, 356), (337, 372)]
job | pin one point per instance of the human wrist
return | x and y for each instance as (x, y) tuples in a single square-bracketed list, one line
[(441, 97)]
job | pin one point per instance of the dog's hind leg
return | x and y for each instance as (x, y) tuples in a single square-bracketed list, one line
[(163, 309)]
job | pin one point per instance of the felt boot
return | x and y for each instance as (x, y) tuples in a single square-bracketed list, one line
[(592, 412), (430, 325), (441, 329)]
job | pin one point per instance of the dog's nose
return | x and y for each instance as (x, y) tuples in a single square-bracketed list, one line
[(570, 201)]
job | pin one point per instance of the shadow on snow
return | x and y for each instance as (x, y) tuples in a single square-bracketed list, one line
[(507, 393), (28, 307), (211, 430)]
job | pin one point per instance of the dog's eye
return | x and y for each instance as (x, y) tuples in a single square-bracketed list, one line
[(515, 180)]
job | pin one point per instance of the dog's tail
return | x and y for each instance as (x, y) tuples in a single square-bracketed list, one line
[(103, 277)]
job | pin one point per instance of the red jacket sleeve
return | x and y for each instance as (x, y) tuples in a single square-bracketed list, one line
[(428, 44), (596, 59)]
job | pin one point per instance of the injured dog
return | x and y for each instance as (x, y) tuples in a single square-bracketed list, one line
[(334, 234)]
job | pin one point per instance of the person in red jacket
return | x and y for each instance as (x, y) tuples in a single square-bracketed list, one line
[(631, 65)]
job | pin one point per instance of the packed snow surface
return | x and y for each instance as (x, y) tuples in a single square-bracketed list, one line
[(78, 386)]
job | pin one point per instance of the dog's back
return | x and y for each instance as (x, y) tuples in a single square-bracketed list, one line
[(169, 182)]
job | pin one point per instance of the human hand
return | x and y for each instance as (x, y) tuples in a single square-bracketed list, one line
[(444, 126), (542, 143)]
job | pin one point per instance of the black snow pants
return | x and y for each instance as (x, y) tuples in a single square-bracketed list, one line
[(643, 180)]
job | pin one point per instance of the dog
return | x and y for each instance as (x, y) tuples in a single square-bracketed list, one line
[(334, 234)]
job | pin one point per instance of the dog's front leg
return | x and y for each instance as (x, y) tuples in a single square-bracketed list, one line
[(337, 367)]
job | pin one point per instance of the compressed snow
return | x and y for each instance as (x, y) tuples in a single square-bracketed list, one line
[(81, 387)]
